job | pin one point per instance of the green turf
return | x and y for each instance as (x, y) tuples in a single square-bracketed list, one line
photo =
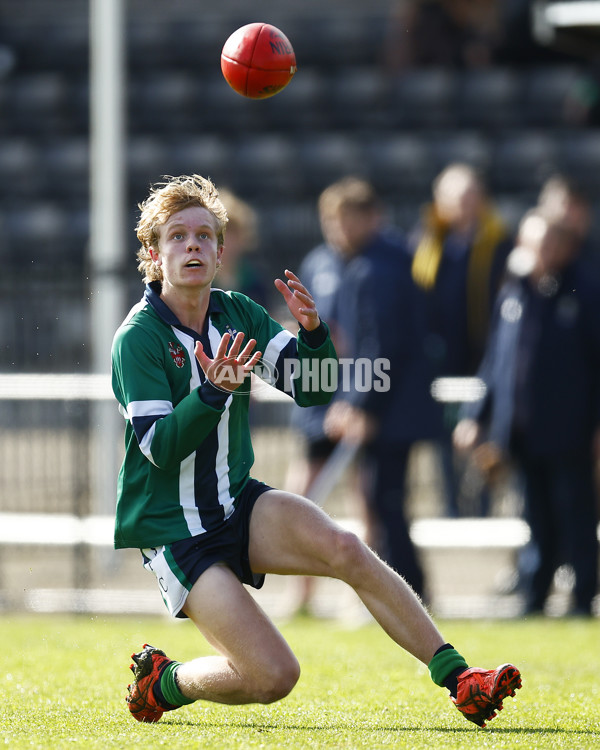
[(63, 679)]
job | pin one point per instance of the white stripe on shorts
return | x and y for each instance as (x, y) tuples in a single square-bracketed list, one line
[(173, 592)]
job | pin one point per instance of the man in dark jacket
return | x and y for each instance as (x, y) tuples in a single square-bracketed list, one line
[(542, 406), (361, 276)]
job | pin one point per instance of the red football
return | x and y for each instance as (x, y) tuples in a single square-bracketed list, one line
[(258, 60)]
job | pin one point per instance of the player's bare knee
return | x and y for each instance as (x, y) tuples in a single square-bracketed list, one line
[(278, 681), (347, 552)]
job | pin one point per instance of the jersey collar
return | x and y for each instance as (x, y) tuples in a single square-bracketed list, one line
[(164, 312)]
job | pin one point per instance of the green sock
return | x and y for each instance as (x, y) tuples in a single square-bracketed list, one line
[(445, 661), (169, 688)]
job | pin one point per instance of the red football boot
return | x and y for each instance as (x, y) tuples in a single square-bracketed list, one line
[(147, 669), (481, 691)]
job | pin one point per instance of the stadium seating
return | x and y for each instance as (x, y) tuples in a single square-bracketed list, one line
[(164, 102), (20, 174), (66, 164), (579, 156), (358, 99), (207, 154), (424, 98), (546, 94), (303, 105), (344, 112), (471, 146), (35, 103), (265, 164), (400, 163), (327, 156), (523, 160), (489, 99)]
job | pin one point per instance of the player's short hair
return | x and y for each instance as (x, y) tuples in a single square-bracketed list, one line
[(349, 192), (165, 199)]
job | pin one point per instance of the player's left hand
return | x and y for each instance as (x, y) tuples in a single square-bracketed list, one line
[(299, 301)]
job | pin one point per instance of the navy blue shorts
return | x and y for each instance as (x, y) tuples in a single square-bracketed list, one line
[(178, 566)]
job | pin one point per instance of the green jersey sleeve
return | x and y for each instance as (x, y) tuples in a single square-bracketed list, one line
[(169, 423)]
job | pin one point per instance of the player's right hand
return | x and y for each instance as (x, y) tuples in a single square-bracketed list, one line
[(228, 369)]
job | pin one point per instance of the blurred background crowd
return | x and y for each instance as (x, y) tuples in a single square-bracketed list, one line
[(473, 127), (393, 91)]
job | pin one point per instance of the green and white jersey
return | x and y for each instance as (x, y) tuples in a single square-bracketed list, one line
[(188, 451)]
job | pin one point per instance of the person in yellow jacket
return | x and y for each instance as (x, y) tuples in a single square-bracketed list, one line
[(459, 250)]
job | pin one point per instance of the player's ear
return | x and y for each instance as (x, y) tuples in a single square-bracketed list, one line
[(155, 255)]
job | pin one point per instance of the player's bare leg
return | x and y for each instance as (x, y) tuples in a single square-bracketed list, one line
[(254, 664), (290, 535)]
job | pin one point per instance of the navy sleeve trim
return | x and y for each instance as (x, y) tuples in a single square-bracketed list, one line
[(314, 339), (213, 396)]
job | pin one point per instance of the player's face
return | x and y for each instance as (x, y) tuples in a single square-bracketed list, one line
[(188, 248)]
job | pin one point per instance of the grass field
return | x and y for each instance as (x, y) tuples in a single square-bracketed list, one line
[(63, 680)]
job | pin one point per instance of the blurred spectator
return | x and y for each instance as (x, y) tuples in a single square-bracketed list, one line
[(542, 406), (241, 270), (459, 251), (361, 276), (467, 34), (562, 200), (456, 33), (582, 102)]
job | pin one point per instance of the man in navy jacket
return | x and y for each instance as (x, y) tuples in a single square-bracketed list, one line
[(361, 276), (542, 405)]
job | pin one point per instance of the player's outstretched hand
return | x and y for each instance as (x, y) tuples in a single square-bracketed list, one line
[(228, 368), (299, 301)]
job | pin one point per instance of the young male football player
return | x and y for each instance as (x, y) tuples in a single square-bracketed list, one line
[(181, 366)]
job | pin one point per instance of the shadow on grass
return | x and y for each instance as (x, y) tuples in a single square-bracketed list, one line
[(340, 726)]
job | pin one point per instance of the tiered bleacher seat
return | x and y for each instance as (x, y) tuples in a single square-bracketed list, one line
[(336, 39), (147, 160), (302, 106), (66, 165), (489, 99), (221, 110), (61, 44), (424, 98), (522, 161), (358, 99), (546, 94), (580, 157), (328, 156), (203, 153), (266, 165), (36, 237), (400, 164), (165, 102), (470, 146), (35, 104), (20, 175), (288, 231), (343, 113)]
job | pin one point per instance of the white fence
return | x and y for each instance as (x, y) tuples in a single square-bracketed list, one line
[(56, 539)]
